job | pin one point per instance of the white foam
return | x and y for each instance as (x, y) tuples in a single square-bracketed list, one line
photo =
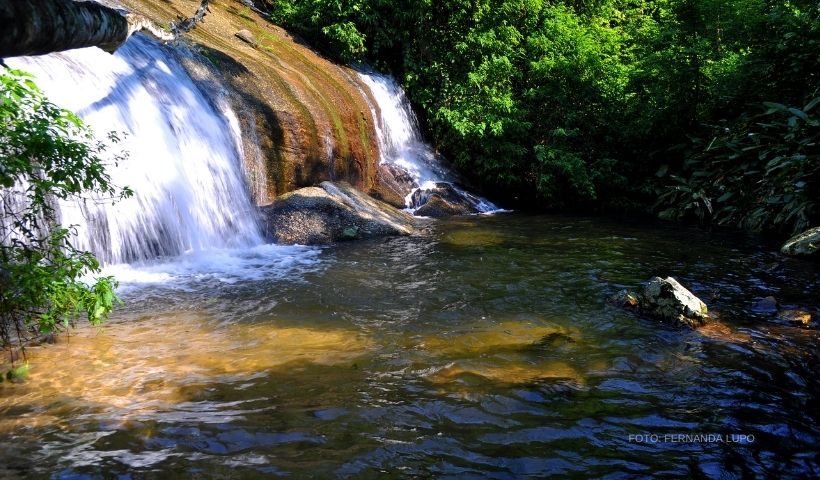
[(224, 266), (185, 154)]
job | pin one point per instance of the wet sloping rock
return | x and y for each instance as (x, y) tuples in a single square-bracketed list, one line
[(393, 185), (304, 118), (438, 207), (329, 213), (443, 200), (666, 299), (806, 243)]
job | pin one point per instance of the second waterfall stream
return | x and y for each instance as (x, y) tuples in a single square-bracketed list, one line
[(401, 143)]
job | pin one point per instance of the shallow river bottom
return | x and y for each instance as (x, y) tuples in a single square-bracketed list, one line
[(484, 349)]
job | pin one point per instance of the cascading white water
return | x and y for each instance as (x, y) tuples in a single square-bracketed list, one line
[(184, 162), (401, 143)]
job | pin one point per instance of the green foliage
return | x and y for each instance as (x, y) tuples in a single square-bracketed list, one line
[(329, 23), (762, 173), (17, 374), (569, 104), (46, 155)]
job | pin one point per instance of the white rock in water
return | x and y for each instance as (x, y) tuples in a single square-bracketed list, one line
[(805, 243), (668, 299)]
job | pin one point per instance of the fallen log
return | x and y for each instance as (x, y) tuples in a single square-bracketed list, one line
[(37, 27)]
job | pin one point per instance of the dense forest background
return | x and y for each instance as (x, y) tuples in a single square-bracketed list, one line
[(693, 109)]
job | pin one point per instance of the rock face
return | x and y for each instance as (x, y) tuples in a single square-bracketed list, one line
[(806, 243), (329, 213), (393, 185), (668, 299), (304, 119), (444, 200)]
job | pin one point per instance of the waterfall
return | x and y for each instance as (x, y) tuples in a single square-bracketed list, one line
[(184, 154), (401, 144)]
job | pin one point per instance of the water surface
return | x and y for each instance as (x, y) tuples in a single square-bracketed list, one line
[(482, 349)]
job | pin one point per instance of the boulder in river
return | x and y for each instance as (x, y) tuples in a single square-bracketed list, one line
[(329, 213), (438, 207), (806, 243), (666, 299), (443, 200)]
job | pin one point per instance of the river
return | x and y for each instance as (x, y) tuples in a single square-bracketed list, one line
[(482, 348)]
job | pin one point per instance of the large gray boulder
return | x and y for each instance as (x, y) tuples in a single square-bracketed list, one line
[(437, 207), (443, 200), (330, 213), (806, 243)]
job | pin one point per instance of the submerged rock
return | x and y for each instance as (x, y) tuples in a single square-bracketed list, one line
[(806, 243), (329, 213), (624, 298), (797, 317), (765, 306), (666, 299)]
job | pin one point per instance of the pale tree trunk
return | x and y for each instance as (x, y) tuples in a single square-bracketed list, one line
[(36, 27)]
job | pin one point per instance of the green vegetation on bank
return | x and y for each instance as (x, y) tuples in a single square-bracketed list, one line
[(46, 155), (616, 104)]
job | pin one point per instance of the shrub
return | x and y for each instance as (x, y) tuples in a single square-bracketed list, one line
[(46, 155)]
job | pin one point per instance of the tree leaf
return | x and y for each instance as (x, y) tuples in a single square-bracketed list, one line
[(811, 104), (799, 113), (775, 107)]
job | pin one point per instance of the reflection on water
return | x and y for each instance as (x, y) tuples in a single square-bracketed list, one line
[(137, 366), (485, 349)]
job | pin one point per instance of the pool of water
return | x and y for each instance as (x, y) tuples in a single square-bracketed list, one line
[(484, 348)]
